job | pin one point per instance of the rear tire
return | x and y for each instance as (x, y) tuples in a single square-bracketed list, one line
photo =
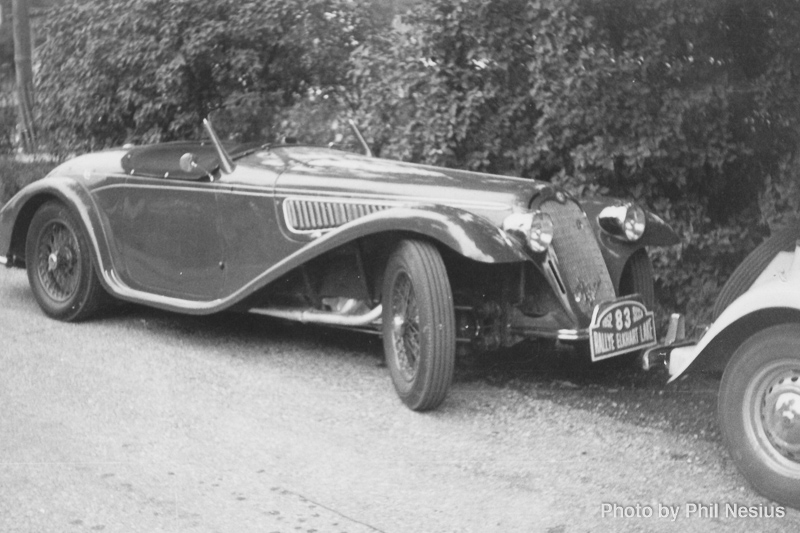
[(759, 412), (753, 265), (59, 265), (418, 325)]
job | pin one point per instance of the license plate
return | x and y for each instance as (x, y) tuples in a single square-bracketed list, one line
[(620, 327)]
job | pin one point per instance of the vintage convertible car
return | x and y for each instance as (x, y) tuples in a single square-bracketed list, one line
[(755, 341), (426, 256)]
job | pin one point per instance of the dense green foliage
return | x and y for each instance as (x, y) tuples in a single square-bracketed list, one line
[(689, 107), (115, 71), (14, 175)]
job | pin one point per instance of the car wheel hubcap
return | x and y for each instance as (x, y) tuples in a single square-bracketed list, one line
[(405, 327), (780, 414), (58, 267)]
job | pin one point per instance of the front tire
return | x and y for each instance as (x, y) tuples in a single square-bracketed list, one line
[(419, 338), (59, 265), (637, 278), (759, 412)]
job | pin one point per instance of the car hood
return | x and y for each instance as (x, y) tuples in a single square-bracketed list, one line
[(327, 172)]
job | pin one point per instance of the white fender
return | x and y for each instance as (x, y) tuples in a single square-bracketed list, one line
[(778, 286)]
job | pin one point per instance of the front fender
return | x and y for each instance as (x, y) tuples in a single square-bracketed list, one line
[(772, 301), (617, 252), (657, 231), (465, 233), (16, 215)]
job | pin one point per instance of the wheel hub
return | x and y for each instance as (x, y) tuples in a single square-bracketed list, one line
[(780, 413), (398, 325), (52, 261), (57, 266), (59, 258), (405, 327)]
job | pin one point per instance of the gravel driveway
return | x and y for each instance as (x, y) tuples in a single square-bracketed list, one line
[(149, 421)]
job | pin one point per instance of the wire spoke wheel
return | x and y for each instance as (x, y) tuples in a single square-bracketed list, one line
[(405, 322), (56, 261), (60, 269), (418, 324)]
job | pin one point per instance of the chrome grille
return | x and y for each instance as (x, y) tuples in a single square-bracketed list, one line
[(580, 260), (320, 215)]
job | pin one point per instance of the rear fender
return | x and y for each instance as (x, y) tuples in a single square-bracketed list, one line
[(16, 215)]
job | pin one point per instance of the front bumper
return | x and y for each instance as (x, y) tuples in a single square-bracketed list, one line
[(676, 353)]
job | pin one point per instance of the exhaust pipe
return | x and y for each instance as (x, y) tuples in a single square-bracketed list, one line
[(322, 317)]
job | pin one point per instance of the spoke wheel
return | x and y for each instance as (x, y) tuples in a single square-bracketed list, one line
[(759, 412), (56, 261), (405, 327), (418, 325), (59, 266)]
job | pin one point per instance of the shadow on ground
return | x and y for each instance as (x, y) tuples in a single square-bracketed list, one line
[(539, 371)]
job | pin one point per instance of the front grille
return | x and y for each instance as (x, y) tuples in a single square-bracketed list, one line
[(320, 215), (580, 260)]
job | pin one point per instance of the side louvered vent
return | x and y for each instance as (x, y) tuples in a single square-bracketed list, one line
[(320, 215)]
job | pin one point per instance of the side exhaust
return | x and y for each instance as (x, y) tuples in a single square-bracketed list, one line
[(322, 317)]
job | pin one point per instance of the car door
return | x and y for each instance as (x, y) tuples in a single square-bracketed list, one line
[(167, 234), (250, 229)]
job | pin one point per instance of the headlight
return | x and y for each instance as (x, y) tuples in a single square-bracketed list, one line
[(627, 221), (534, 228)]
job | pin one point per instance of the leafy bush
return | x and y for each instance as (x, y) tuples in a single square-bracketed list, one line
[(688, 107), (14, 175), (116, 71)]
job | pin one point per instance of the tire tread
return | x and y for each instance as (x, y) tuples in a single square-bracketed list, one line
[(424, 262)]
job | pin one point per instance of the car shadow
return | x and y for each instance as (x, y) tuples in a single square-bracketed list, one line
[(617, 388), (537, 370)]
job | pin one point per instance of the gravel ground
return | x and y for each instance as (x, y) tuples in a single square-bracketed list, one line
[(620, 391), (143, 420)]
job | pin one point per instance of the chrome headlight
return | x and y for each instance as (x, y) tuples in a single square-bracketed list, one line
[(534, 228), (627, 221)]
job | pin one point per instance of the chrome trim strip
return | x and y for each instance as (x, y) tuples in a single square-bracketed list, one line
[(573, 334), (560, 334), (215, 187), (233, 188)]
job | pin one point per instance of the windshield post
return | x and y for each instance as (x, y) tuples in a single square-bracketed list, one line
[(226, 163)]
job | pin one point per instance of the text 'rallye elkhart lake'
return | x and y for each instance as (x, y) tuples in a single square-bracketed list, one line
[(429, 257)]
